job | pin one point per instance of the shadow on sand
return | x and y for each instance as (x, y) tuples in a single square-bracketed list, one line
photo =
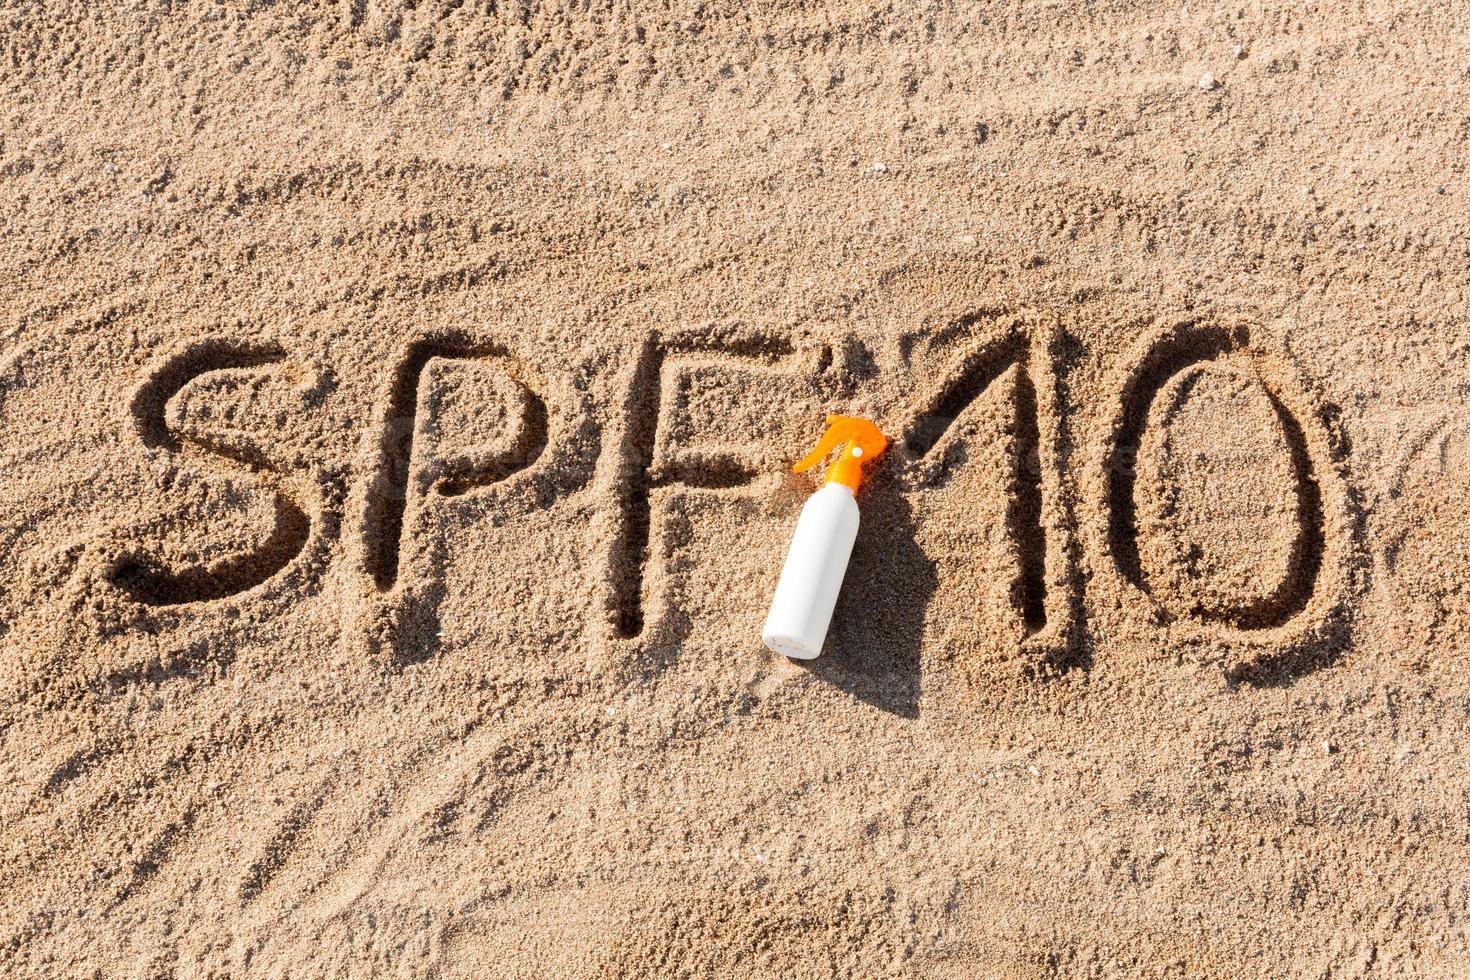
[(873, 647)]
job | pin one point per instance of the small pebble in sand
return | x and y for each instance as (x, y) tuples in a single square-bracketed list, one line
[(1208, 82), (1329, 747), (880, 168)]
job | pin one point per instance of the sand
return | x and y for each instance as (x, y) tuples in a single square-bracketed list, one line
[(396, 408)]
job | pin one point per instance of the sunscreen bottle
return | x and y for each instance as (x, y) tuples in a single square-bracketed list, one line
[(812, 576)]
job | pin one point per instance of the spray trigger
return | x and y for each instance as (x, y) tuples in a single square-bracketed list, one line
[(861, 442)]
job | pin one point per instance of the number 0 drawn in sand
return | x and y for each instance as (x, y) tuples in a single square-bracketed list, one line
[(1223, 503)]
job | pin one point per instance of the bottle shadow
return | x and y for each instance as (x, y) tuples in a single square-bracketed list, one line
[(874, 647)]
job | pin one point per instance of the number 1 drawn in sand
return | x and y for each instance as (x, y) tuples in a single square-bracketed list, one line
[(976, 373)]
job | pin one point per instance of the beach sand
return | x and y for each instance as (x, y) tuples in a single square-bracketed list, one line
[(397, 407)]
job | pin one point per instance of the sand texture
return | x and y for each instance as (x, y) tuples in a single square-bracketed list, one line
[(396, 409)]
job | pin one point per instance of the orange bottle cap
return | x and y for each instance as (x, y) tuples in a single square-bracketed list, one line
[(861, 442)]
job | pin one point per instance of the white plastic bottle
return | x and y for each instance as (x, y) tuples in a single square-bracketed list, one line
[(806, 595)]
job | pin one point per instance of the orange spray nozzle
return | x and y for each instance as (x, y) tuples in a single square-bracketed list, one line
[(861, 441)]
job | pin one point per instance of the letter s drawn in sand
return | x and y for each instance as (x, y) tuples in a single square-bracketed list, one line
[(142, 575)]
